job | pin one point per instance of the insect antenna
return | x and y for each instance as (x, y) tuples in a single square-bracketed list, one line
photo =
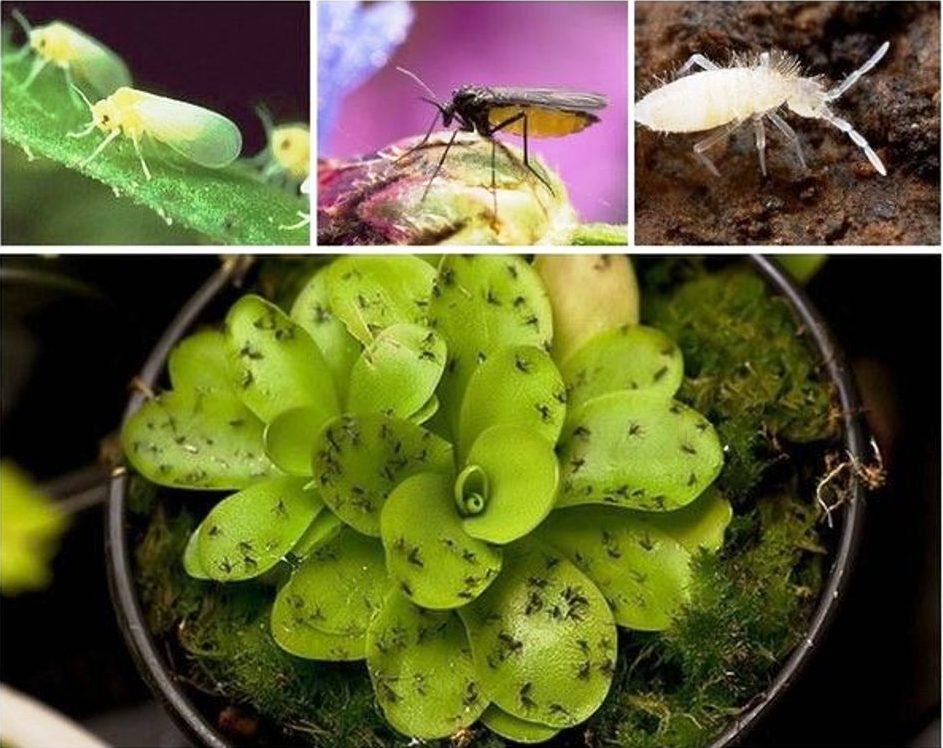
[(91, 125), (856, 75), (435, 99), (21, 19)]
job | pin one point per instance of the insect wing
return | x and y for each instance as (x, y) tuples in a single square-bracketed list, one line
[(97, 64), (203, 136), (547, 98)]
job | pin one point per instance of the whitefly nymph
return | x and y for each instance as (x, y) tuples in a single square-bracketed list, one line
[(749, 90)]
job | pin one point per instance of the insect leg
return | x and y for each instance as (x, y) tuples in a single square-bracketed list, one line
[(710, 140), (759, 132), (507, 123), (137, 150), (38, 64), (494, 186), (101, 146), (439, 165), (790, 135), (421, 143), (856, 75), (697, 59), (857, 138), (20, 54)]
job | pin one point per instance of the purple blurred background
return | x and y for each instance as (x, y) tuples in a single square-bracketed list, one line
[(576, 45)]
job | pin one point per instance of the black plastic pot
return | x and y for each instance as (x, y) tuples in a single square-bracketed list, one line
[(158, 672)]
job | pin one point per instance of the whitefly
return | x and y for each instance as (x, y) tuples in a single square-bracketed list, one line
[(749, 90)]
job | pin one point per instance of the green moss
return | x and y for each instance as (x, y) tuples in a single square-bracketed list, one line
[(746, 367)]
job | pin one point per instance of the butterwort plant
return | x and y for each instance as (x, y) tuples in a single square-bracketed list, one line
[(433, 484)]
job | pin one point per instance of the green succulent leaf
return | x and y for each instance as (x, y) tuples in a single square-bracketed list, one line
[(398, 372), (247, 533), (481, 303), (289, 439), (313, 311), (514, 728), (543, 638), (624, 358), (275, 363), (515, 384), (642, 571), (293, 631), (371, 293), (422, 671), (589, 293), (427, 411), (199, 362), (340, 585), (700, 524), (429, 556), (322, 530), (522, 477), (191, 557), (197, 440), (359, 460), (637, 450)]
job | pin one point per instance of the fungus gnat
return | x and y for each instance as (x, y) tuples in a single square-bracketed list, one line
[(526, 112), (749, 90)]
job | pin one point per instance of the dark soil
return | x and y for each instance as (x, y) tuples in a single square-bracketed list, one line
[(840, 199)]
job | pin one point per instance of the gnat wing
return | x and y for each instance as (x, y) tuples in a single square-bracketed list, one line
[(94, 62), (548, 98), (208, 138)]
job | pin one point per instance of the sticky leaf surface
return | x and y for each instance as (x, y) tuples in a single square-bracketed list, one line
[(428, 554), (513, 728), (637, 450), (358, 460), (247, 533), (543, 638), (422, 671)]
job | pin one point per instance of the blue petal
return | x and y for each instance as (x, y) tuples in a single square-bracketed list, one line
[(354, 42)]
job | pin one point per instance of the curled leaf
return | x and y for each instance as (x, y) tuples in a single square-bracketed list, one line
[(197, 440), (514, 728), (370, 293), (191, 557), (543, 638), (323, 529), (637, 450), (276, 365), (313, 311), (624, 358), (358, 460), (481, 303), (398, 372), (522, 476), (247, 533), (642, 571), (292, 630), (422, 671), (429, 556), (515, 384)]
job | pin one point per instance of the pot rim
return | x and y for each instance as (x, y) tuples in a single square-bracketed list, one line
[(171, 692)]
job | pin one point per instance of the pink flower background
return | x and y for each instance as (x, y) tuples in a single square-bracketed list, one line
[(575, 45)]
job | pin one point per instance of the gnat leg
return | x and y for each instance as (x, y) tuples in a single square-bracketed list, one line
[(710, 140), (856, 75), (789, 134), (858, 139), (759, 132), (698, 60)]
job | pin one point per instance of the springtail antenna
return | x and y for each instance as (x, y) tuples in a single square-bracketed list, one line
[(266, 116), (84, 98), (856, 75)]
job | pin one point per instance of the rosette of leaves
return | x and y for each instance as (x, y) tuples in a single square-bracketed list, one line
[(449, 502)]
